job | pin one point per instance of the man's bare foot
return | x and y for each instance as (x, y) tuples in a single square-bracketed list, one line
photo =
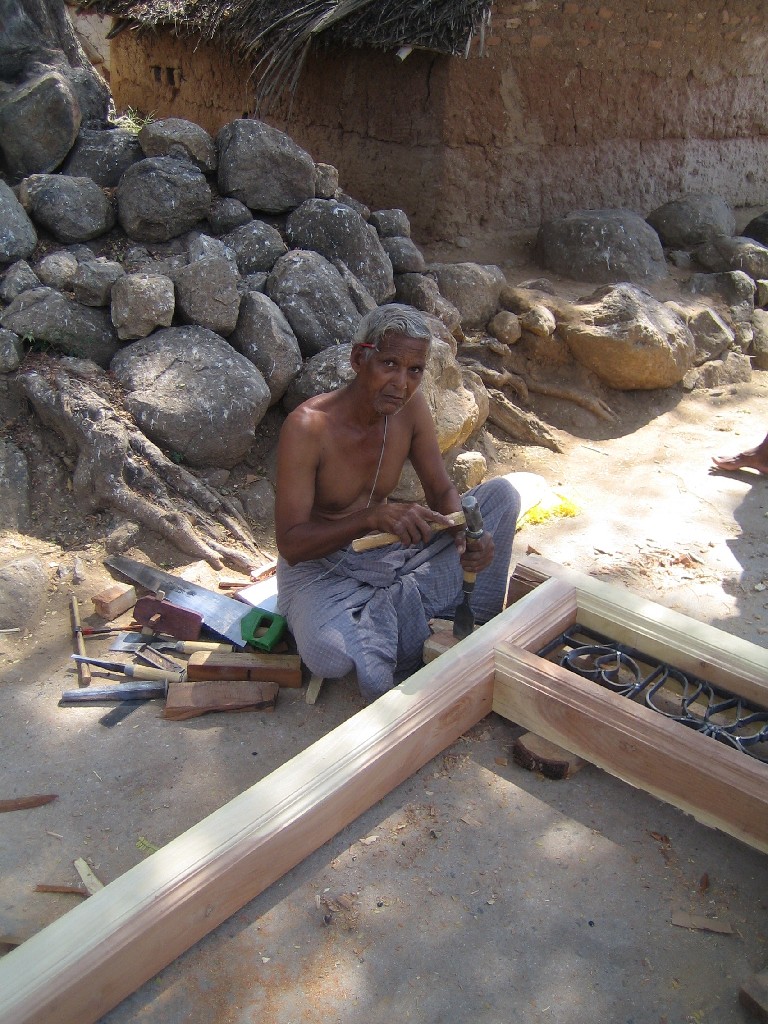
[(756, 458)]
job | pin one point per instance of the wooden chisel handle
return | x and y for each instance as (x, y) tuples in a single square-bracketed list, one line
[(190, 646), (161, 675), (378, 540)]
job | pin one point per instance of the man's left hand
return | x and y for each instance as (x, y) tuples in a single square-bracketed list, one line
[(476, 556)]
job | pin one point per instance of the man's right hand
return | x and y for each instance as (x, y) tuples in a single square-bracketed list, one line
[(409, 522)]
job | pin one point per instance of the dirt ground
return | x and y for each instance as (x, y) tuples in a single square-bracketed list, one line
[(476, 891)]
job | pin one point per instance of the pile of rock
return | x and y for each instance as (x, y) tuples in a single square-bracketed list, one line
[(216, 278)]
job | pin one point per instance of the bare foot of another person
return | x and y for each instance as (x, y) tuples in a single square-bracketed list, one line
[(755, 458)]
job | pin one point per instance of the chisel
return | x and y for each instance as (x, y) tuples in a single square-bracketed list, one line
[(134, 691), (134, 671), (464, 617)]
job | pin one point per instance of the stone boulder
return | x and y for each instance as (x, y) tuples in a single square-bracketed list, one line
[(263, 167), (338, 232), (757, 229), (71, 209), (207, 295), (14, 480), (257, 246), (39, 122), (604, 246), (18, 278), (48, 316), (314, 300), (692, 220), (629, 339), (103, 155), (760, 339), (160, 198), (473, 288), (58, 270), (18, 236), (175, 137), (140, 303), (404, 256), (11, 352), (711, 334), (736, 291), (418, 290), (739, 253), (23, 593), (391, 223), (327, 370), (227, 214), (93, 280), (193, 394), (264, 336)]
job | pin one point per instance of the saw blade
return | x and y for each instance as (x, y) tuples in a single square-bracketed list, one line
[(221, 615)]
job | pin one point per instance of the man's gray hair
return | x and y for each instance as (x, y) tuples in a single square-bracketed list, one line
[(393, 318)]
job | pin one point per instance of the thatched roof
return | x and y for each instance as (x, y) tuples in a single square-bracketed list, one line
[(274, 36)]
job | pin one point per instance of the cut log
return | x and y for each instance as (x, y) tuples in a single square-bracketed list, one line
[(536, 754), (284, 669), (189, 700)]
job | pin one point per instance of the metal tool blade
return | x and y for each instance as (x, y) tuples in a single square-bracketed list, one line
[(134, 691), (222, 615), (136, 641)]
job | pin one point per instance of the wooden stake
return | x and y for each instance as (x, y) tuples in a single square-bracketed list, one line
[(83, 670)]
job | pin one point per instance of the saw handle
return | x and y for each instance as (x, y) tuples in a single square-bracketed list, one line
[(378, 540)]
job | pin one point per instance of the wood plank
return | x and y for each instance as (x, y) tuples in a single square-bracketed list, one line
[(718, 785), (284, 669), (725, 661), (199, 697), (314, 686), (83, 964)]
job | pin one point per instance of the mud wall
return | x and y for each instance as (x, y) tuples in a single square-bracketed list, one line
[(572, 105)]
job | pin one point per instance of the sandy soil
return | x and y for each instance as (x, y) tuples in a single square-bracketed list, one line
[(653, 518)]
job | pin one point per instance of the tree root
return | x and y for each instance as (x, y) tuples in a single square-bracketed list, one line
[(119, 468), (523, 385)]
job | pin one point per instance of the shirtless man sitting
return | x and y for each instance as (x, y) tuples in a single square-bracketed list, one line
[(754, 458), (340, 456)]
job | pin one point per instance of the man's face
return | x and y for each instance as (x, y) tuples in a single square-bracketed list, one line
[(391, 374)]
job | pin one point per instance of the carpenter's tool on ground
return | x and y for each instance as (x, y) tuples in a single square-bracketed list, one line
[(122, 692), (134, 671), (163, 616), (284, 669), (378, 540), (149, 656), (83, 672), (464, 619), (220, 614), (137, 641)]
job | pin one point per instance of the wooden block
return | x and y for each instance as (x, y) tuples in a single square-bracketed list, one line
[(114, 601), (753, 996), (440, 642), (165, 617), (521, 582), (539, 755), (313, 688), (190, 699), (284, 669)]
